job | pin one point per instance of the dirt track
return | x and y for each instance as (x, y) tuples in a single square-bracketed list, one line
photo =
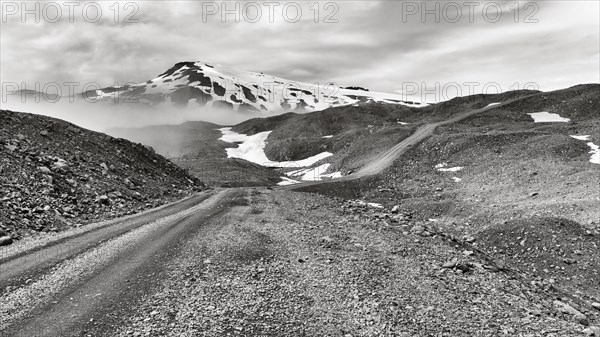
[(256, 262), (384, 160), (86, 282)]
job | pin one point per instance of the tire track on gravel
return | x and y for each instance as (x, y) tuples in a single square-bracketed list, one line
[(109, 279), (22, 265), (386, 159)]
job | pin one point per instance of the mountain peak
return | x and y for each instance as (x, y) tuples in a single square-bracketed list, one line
[(196, 83)]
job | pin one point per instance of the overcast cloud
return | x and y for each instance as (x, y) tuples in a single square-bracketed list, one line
[(371, 45)]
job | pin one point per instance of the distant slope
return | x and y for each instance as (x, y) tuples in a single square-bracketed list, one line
[(191, 139), (196, 147), (358, 134), (500, 185), (55, 175), (199, 84), (507, 166)]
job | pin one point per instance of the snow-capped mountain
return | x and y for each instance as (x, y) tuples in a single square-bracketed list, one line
[(202, 84)]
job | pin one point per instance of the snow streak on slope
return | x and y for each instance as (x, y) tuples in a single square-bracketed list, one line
[(586, 137), (314, 174), (443, 168), (546, 117), (595, 159), (224, 87), (595, 152), (252, 149), (287, 181)]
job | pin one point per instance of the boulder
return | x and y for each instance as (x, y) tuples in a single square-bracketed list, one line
[(450, 264), (5, 241), (567, 309), (593, 331), (417, 229), (60, 163), (44, 169), (103, 199)]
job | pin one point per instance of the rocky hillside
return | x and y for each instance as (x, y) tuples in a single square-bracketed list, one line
[(355, 134), (55, 175), (526, 192), (500, 164)]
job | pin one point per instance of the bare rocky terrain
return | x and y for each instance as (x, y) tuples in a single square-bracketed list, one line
[(287, 263), (55, 175), (506, 246)]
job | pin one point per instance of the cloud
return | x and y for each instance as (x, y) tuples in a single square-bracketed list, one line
[(374, 44)]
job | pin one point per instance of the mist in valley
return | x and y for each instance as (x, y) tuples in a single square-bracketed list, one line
[(118, 119)]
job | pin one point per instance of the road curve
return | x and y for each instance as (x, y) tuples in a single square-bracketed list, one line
[(90, 283), (17, 267), (386, 159)]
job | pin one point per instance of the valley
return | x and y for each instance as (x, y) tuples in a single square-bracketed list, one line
[(255, 261), (463, 218), (300, 168)]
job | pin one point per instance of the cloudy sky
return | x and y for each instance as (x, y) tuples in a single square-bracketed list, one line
[(381, 45)]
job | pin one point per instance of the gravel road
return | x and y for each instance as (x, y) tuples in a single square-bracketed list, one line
[(258, 262), (83, 283)]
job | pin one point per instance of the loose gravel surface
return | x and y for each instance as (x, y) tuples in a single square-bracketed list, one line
[(291, 264), (87, 290), (258, 262)]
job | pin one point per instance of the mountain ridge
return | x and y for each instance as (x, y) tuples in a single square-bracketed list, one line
[(216, 86)]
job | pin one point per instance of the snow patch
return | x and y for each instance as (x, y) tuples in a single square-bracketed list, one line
[(287, 181), (442, 168), (456, 179), (252, 149), (333, 175), (403, 123), (586, 137), (493, 104), (327, 137), (595, 159), (546, 117), (595, 152), (451, 169), (358, 202), (314, 174)]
